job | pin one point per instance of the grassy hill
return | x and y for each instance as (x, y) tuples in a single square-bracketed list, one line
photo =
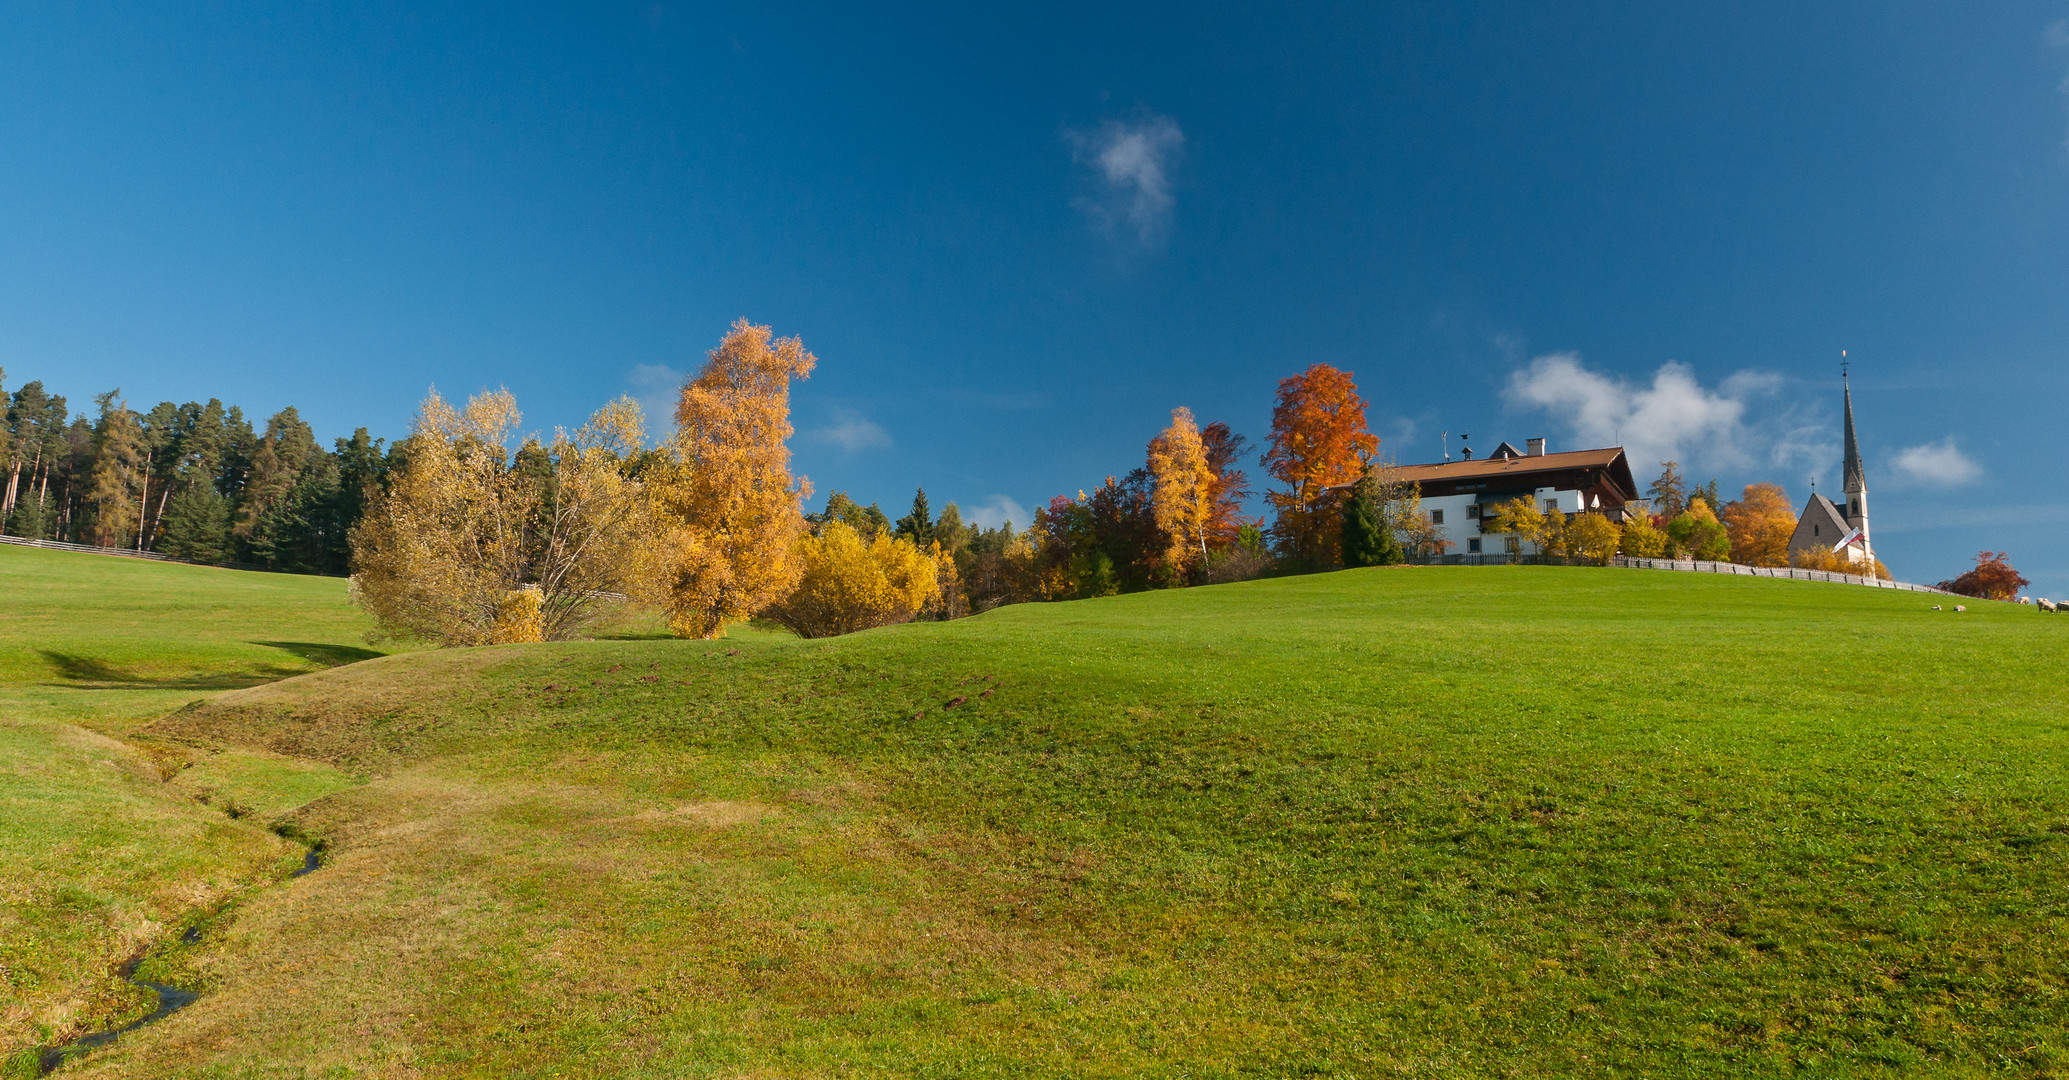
[(1416, 821), (99, 855)]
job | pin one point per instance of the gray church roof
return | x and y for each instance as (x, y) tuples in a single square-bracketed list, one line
[(1821, 526)]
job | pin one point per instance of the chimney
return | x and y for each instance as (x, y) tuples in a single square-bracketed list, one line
[(1535, 448)]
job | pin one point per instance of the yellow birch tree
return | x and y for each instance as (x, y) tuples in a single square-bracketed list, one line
[(468, 549), (1183, 502), (724, 492)]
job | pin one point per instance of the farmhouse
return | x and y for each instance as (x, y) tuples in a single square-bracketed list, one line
[(1826, 526), (1460, 494)]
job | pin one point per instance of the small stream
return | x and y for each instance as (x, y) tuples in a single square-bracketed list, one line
[(171, 999)]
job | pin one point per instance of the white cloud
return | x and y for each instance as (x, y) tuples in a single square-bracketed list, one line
[(656, 388), (1674, 418), (997, 510), (1132, 162), (1938, 463), (851, 431)]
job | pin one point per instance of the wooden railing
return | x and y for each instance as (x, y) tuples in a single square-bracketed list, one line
[(1699, 566)]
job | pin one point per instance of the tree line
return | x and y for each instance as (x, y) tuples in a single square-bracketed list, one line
[(469, 532), (196, 481)]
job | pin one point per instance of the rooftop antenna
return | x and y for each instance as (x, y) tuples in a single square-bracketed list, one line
[(1464, 450), (1842, 365), (1446, 437)]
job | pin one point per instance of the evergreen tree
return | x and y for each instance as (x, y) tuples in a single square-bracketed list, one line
[(197, 524), (918, 526), (31, 518), (1368, 538), (1361, 530)]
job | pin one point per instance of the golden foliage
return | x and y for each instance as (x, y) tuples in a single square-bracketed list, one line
[(846, 583), (1696, 533), (1838, 562), (1592, 538), (1518, 520), (1183, 503), (1760, 524), (1641, 540), (463, 526), (520, 618), (724, 494)]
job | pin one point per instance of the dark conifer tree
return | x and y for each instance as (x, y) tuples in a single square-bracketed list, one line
[(918, 526), (197, 524)]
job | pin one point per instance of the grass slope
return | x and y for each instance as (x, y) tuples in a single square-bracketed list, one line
[(1502, 821), (99, 854)]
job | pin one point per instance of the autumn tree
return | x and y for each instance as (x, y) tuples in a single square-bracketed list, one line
[(1182, 501), (847, 583), (1696, 533), (114, 493), (1592, 538), (725, 491), (1518, 521), (1317, 448), (465, 527), (1992, 579), (1641, 539), (1759, 523)]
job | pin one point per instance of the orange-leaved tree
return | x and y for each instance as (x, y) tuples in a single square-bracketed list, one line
[(1992, 579), (1318, 447), (1760, 523), (1182, 502), (724, 489)]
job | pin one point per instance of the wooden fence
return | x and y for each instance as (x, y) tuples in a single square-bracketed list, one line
[(1698, 566)]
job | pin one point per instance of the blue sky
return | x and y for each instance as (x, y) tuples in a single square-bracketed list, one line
[(1016, 238)]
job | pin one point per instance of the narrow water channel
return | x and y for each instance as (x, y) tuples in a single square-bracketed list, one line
[(171, 999)]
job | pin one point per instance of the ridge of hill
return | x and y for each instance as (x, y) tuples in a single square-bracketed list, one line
[(1538, 821)]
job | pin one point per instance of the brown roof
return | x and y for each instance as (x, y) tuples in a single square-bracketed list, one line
[(1477, 468)]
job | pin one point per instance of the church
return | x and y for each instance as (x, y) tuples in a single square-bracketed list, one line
[(1828, 526)]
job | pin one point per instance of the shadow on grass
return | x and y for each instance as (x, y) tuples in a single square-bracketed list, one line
[(320, 653), (87, 673)]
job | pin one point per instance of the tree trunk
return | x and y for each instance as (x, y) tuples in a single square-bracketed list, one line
[(143, 505)]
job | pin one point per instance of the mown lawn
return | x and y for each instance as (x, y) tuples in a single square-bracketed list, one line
[(1403, 822), (99, 855)]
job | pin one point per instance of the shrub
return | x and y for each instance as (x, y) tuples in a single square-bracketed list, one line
[(846, 583)]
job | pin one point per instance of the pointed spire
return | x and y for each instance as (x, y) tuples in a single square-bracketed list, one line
[(1856, 480)]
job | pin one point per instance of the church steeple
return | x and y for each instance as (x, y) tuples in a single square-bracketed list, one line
[(1856, 479)]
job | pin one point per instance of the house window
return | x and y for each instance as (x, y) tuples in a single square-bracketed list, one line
[(1436, 517), (1473, 511), (1551, 506), (1473, 545)]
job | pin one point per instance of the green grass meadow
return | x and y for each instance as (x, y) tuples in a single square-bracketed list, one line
[(1522, 821), (100, 856)]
